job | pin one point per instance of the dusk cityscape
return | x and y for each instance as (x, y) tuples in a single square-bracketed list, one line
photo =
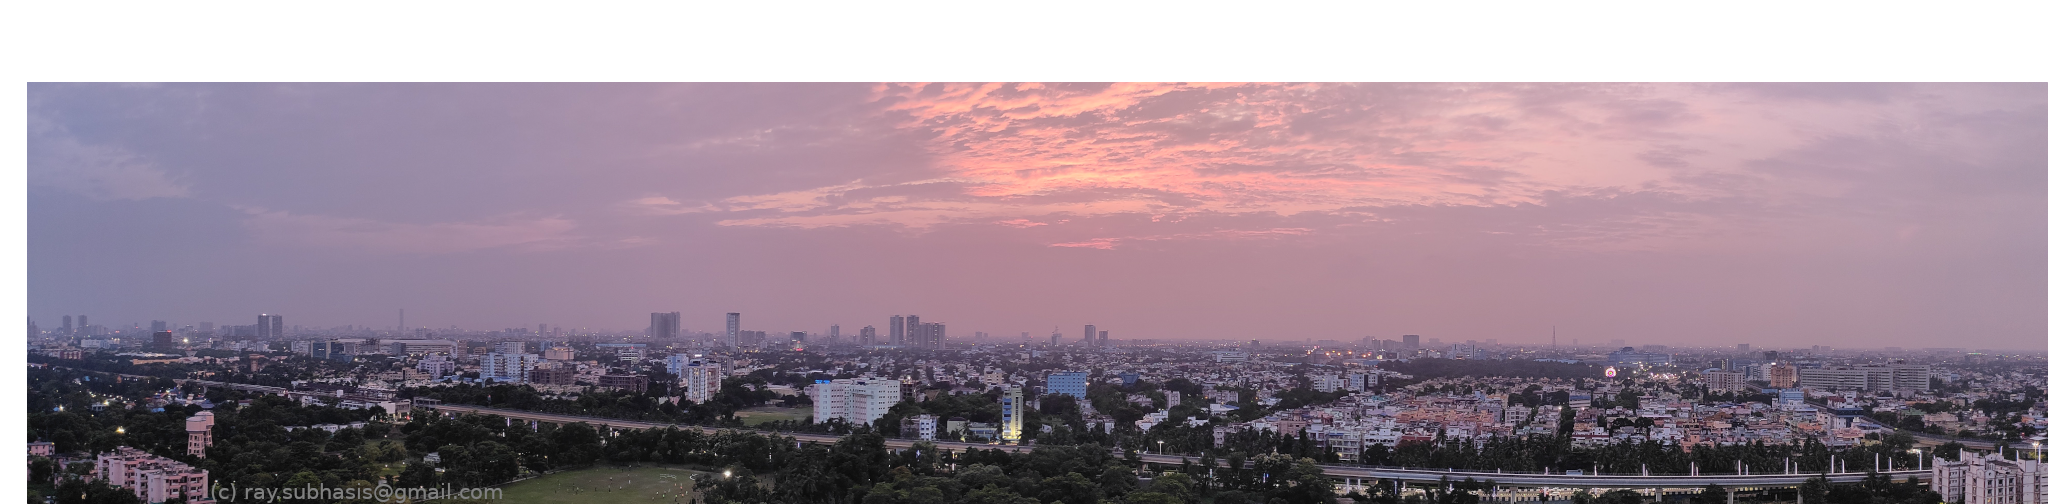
[(1010, 293)]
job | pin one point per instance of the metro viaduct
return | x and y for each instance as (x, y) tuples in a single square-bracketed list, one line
[(1510, 487)]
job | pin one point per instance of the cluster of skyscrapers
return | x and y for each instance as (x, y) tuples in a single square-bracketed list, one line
[(909, 332), (906, 331)]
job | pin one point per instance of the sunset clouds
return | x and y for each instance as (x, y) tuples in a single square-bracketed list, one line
[(1475, 209), (1268, 152)]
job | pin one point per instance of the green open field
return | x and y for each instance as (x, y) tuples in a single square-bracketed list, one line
[(757, 416), (605, 484)]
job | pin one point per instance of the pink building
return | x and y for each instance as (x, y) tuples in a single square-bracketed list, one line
[(153, 479)]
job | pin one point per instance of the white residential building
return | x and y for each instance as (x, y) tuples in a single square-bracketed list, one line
[(1325, 382), (437, 366), (856, 401), (508, 367), (700, 378), (1982, 479), (1361, 381)]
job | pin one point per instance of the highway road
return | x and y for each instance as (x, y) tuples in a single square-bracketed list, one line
[(1347, 473)]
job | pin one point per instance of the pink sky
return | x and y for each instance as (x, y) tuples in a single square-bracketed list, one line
[(1773, 214)]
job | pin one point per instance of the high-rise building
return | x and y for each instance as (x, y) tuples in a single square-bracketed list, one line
[(509, 347), (1088, 335), (1013, 416), (159, 325), (1360, 381), (867, 336), (1325, 382), (269, 326), (916, 330), (700, 378), (508, 367), (665, 325), (67, 325), (1055, 339), (732, 330), (1743, 347), (85, 327), (834, 335), (1784, 375), (857, 401), (896, 330), (1102, 338), (1073, 383), (1411, 341), (929, 335), (1723, 381), (162, 340)]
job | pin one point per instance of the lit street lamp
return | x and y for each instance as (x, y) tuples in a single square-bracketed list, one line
[(1923, 458)]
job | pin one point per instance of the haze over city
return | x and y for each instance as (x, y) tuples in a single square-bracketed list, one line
[(1851, 215)]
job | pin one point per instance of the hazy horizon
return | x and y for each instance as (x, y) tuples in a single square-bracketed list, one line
[(1779, 215)]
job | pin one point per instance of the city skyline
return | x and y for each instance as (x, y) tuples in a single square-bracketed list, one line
[(1868, 215)]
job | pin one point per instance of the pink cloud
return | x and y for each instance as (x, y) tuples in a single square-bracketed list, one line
[(1223, 234), (359, 235), (1098, 243), (1020, 223)]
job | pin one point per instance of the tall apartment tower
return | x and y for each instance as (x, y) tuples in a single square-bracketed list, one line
[(1102, 338), (834, 336), (269, 326), (935, 336), (916, 330), (1013, 416), (67, 325), (1088, 335), (896, 330), (1784, 375), (83, 326), (699, 378), (665, 325), (732, 329), (1411, 341), (867, 336)]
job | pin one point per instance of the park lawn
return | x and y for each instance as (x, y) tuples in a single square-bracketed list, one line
[(757, 416), (606, 484)]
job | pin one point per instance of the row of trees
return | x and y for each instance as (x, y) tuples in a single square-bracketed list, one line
[(479, 449)]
